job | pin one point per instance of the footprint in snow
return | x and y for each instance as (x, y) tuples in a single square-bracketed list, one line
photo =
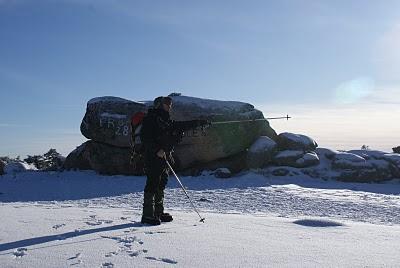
[(78, 255), (58, 226), (98, 222), (76, 258), (159, 232), (107, 265), (205, 200), (20, 252), (136, 252), (166, 260)]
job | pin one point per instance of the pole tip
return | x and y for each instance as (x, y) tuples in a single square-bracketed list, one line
[(202, 220)]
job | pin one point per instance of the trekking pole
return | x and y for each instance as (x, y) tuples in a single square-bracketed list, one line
[(287, 117), (184, 190)]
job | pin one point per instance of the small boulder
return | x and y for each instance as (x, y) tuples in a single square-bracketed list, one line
[(307, 160), (297, 159), (396, 150), (261, 152), (280, 172), (291, 141), (288, 158), (2, 165), (222, 173)]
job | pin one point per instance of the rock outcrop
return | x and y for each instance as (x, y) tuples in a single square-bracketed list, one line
[(107, 125)]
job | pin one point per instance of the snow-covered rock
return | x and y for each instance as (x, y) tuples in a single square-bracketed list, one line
[(261, 152), (307, 160), (222, 173), (393, 158), (291, 141), (364, 166), (103, 158), (17, 167), (343, 160), (297, 159), (325, 152)]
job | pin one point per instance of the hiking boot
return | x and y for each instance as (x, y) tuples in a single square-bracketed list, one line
[(165, 217), (148, 210), (150, 220)]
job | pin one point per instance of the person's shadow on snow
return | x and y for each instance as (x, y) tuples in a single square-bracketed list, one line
[(49, 238)]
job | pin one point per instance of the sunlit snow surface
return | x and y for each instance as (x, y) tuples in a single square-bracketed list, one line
[(81, 219)]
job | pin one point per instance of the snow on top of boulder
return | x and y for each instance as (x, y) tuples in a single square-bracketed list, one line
[(117, 116), (328, 153), (368, 153), (263, 143), (212, 104), (343, 156), (108, 99), (310, 156), (298, 138)]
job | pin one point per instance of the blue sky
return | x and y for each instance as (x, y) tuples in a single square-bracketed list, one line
[(332, 65)]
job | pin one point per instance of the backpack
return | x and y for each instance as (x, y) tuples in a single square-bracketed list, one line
[(137, 148), (136, 127)]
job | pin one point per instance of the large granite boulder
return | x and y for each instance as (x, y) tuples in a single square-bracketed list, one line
[(236, 126), (261, 152), (291, 141)]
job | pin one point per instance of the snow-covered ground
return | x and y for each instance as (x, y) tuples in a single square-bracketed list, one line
[(81, 219)]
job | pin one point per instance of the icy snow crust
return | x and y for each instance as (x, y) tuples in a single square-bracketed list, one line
[(82, 219)]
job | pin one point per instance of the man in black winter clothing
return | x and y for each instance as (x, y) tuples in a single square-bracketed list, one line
[(159, 135)]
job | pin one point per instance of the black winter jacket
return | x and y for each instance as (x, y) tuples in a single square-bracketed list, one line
[(160, 132)]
